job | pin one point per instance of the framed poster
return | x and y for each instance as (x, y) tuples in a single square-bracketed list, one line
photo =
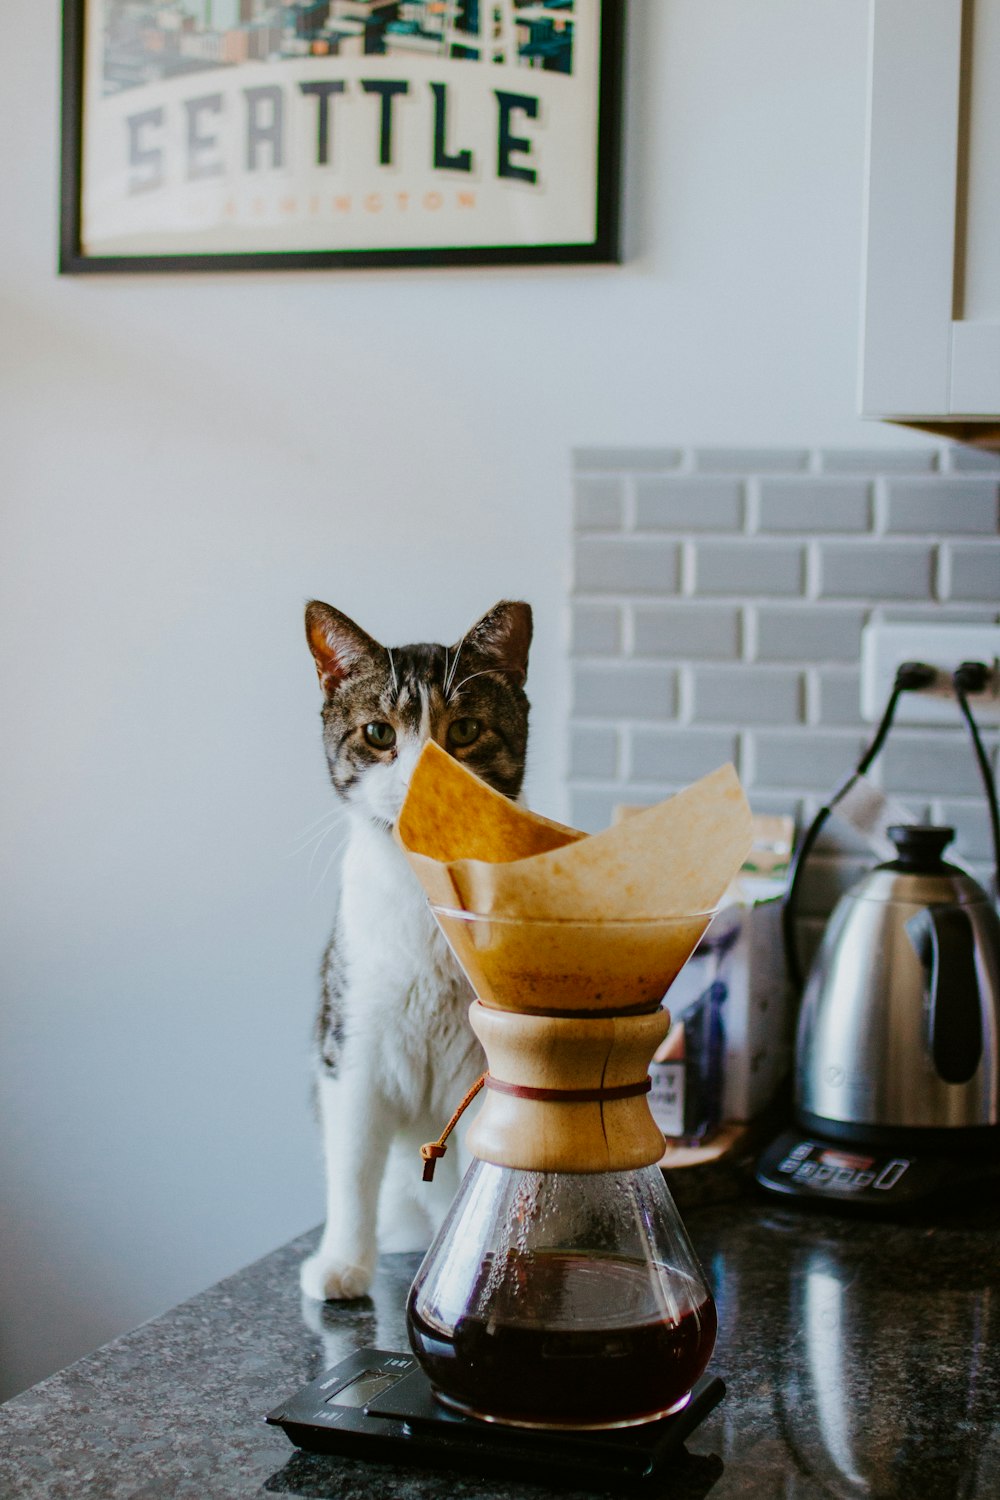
[(246, 135)]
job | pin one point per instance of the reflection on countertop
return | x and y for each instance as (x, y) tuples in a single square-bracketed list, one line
[(862, 1358)]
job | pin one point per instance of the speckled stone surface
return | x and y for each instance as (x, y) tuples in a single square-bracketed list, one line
[(861, 1357)]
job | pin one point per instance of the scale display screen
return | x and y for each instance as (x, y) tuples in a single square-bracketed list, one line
[(363, 1388)]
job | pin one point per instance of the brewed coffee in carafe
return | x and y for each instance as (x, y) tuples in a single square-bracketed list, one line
[(562, 1299)]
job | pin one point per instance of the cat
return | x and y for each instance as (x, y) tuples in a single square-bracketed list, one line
[(395, 1052)]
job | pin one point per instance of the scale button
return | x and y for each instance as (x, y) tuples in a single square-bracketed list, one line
[(844, 1178), (864, 1179), (890, 1175), (788, 1165), (823, 1174), (805, 1171)]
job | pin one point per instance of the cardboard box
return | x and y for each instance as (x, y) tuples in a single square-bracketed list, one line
[(738, 973)]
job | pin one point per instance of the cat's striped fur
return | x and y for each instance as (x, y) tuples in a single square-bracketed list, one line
[(395, 1052)]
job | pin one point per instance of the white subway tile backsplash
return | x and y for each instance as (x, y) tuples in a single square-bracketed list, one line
[(632, 690), (809, 759), (626, 460), (748, 567), (878, 460), (600, 502), (942, 764), (686, 630), (838, 693), (944, 613), (735, 607), (679, 756), (596, 630), (974, 571), (593, 752), (751, 460), (627, 565), (809, 632), (961, 459), (688, 503), (876, 570), (747, 694), (956, 506), (592, 809), (814, 505)]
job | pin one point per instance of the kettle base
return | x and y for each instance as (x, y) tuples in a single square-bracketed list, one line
[(952, 1141)]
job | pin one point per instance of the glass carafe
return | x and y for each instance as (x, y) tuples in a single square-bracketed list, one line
[(562, 1289), (562, 1299)]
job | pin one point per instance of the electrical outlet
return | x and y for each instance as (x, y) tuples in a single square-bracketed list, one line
[(884, 648)]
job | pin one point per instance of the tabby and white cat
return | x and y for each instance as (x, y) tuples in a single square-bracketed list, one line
[(395, 1049)]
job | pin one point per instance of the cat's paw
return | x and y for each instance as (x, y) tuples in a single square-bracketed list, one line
[(331, 1279)]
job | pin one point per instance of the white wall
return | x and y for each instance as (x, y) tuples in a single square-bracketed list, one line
[(187, 460)]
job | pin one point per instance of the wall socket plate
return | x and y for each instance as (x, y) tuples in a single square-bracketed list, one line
[(885, 647)]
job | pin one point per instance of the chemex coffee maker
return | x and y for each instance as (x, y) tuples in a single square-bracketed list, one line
[(562, 1291), (561, 1312), (897, 1058)]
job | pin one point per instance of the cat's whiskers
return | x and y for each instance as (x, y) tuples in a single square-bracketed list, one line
[(450, 677), (317, 839), (392, 669), (486, 672), (320, 834), (326, 868), (335, 828), (331, 812)]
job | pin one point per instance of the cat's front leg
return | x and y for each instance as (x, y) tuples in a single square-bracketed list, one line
[(357, 1131)]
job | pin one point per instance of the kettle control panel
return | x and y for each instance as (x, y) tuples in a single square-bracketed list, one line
[(843, 1171), (805, 1166)]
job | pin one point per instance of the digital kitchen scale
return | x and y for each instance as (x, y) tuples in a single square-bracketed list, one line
[(378, 1405)]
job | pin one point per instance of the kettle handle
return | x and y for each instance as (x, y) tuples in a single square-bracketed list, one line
[(942, 938)]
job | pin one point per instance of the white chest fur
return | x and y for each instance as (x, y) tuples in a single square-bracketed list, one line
[(408, 1056), (406, 1001)]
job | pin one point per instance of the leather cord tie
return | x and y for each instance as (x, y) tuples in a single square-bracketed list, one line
[(432, 1151)]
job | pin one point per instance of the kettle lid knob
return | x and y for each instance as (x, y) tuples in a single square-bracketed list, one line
[(919, 846)]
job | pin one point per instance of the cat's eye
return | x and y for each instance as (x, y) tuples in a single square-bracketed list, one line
[(380, 735), (464, 732)]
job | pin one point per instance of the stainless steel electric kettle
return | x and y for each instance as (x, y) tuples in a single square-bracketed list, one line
[(899, 1031), (897, 1059)]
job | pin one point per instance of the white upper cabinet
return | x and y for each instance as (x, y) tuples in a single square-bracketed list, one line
[(931, 312)]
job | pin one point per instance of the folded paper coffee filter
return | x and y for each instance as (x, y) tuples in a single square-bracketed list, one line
[(544, 918)]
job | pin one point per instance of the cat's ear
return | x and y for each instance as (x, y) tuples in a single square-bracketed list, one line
[(337, 644), (503, 637)]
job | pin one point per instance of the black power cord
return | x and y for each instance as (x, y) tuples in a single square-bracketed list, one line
[(911, 676), (974, 677)]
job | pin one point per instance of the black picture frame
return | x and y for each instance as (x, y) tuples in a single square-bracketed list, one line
[(602, 248)]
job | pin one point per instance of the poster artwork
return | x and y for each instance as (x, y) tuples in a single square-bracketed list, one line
[(220, 126)]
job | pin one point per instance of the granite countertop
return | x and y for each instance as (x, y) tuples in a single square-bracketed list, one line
[(862, 1357)]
